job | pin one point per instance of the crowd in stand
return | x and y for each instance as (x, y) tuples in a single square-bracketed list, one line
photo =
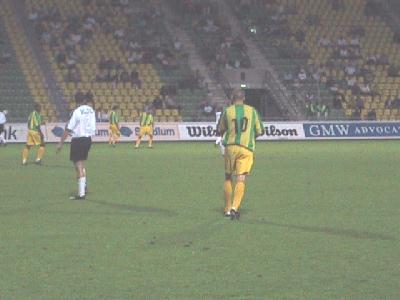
[(5, 56), (219, 47), (269, 22)]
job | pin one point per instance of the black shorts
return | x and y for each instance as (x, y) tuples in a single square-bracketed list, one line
[(80, 148), (1, 128)]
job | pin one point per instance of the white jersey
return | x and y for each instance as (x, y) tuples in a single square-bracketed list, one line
[(82, 122), (3, 119)]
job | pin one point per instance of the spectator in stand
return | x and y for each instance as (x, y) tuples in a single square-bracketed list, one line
[(324, 42), (371, 115), (288, 77), (350, 69), (73, 76), (207, 108), (342, 42), (170, 103), (337, 4), (178, 45), (158, 103), (135, 79), (124, 77), (356, 115), (393, 71), (365, 89), (302, 75), (390, 103), (359, 103)]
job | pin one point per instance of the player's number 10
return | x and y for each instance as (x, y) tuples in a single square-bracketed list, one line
[(240, 124)]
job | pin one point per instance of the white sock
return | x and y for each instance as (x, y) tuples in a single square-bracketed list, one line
[(2, 140), (82, 185)]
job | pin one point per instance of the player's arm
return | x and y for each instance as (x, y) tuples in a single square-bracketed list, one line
[(221, 126), (259, 126), (68, 130)]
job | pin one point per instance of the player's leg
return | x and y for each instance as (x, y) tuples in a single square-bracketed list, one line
[(41, 150), (238, 194), (139, 138), (142, 132), (79, 153), (243, 165), (228, 185), (81, 175), (31, 140), (228, 194), (25, 154), (2, 135), (151, 140), (110, 136), (117, 135)]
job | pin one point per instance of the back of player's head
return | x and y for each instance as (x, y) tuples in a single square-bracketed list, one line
[(37, 107), (115, 107), (238, 95), (80, 100)]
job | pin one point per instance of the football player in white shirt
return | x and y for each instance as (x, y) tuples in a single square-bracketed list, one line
[(218, 141), (82, 126), (3, 121)]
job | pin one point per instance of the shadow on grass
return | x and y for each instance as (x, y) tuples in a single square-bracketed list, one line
[(350, 233), (136, 209)]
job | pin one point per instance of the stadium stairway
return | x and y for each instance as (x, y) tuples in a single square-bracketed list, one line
[(49, 76), (284, 99), (195, 61)]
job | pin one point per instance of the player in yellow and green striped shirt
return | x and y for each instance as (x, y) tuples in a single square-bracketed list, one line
[(35, 136), (114, 133), (146, 122), (239, 125)]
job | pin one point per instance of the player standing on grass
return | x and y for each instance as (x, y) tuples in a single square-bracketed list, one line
[(240, 125), (35, 136), (3, 121), (114, 132), (82, 126), (146, 122)]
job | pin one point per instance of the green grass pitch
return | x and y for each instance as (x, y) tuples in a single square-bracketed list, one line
[(320, 220)]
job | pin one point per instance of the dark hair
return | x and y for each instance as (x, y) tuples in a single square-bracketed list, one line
[(79, 100), (115, 107), (37, 107)]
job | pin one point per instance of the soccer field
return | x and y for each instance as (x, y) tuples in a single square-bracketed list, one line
[(320, 220)]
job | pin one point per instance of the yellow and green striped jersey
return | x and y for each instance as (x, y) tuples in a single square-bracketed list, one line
[(34, 121), (145, 119), (114, 118), (239, 125)]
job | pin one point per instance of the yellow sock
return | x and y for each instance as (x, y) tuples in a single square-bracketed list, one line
[(25, 154), (150, 141), (238, 195), (40, 153), (228, 195)]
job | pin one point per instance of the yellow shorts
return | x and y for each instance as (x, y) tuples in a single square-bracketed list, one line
[(114, 130), (146, 130), (34, 138), (238, 160)]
